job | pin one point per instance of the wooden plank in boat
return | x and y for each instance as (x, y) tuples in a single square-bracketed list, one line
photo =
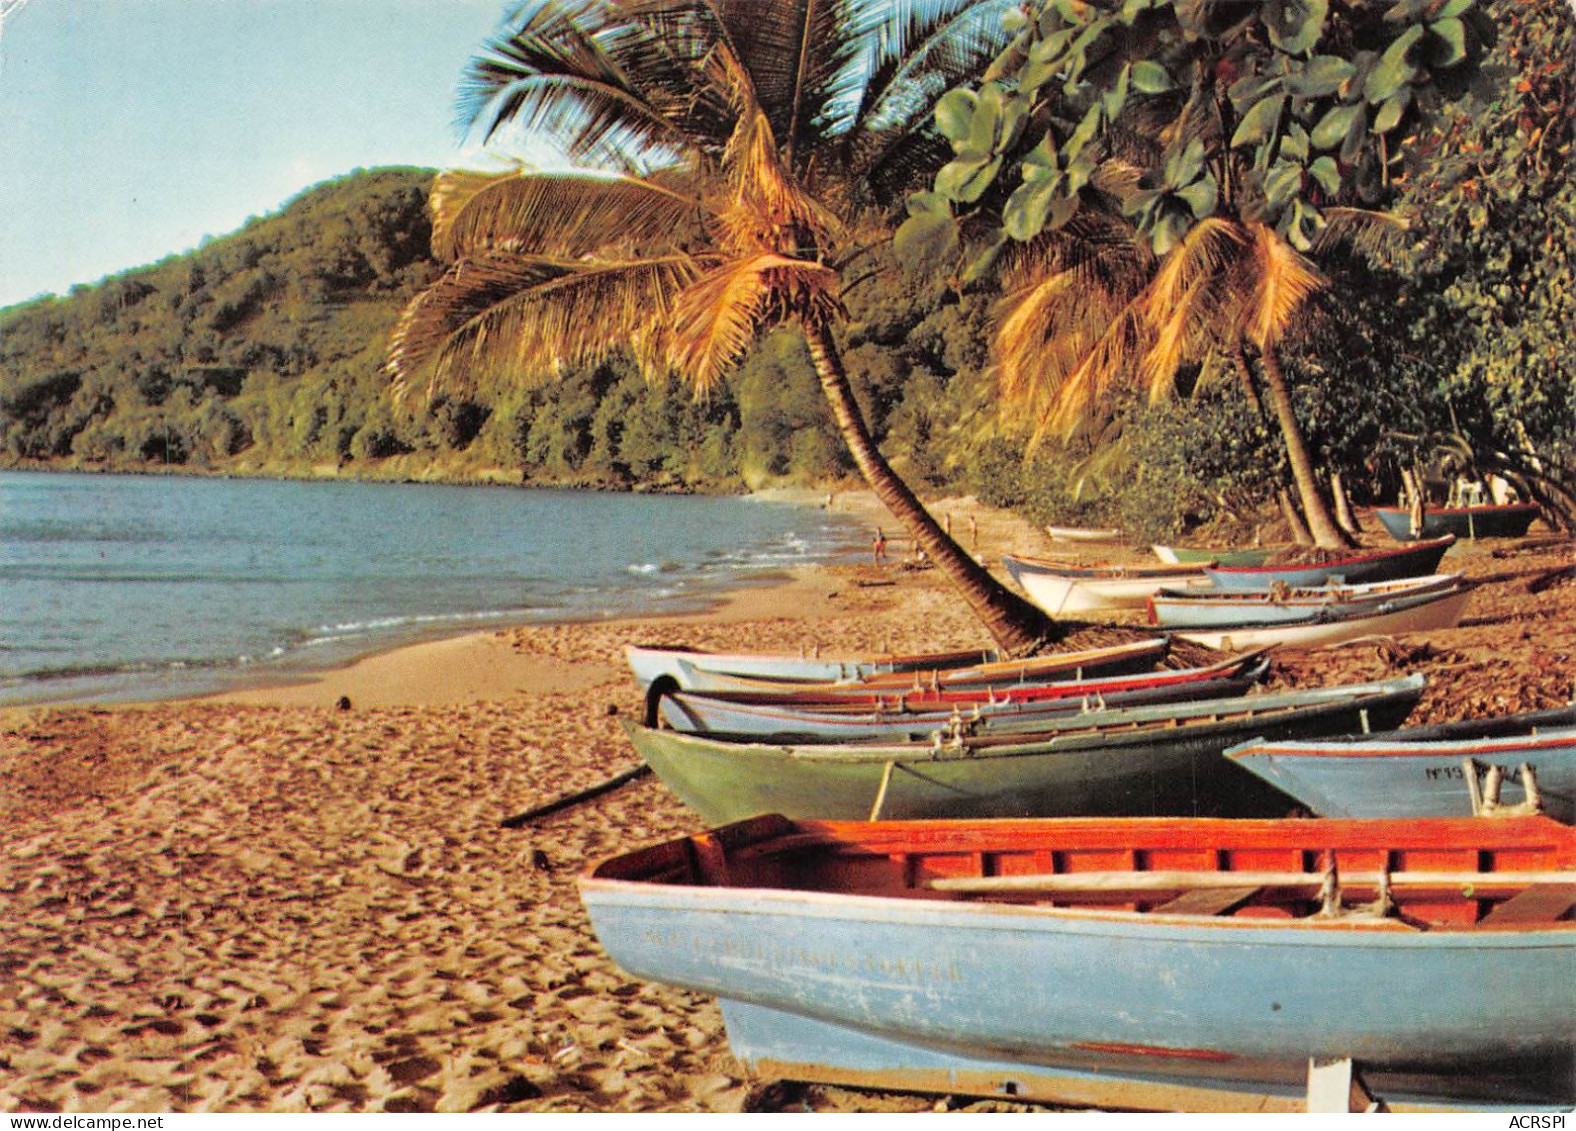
[(1208, 901), (1546, 904)]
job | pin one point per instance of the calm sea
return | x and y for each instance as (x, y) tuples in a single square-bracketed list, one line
[(138, 587)]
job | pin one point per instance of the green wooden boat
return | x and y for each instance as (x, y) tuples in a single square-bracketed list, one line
[(1192, 555), (1162, 760)]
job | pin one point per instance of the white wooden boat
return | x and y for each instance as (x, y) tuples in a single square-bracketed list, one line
[(1059, 588), (1228, 608), (1083, 534), (1404, 615)]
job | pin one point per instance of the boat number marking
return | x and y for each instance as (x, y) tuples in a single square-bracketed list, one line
[(1456, 773)]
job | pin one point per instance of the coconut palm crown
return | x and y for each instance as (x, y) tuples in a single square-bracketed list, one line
[(1249, 131), (732, 156)]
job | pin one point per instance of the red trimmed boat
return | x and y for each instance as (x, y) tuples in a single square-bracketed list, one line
[(1178, 964)]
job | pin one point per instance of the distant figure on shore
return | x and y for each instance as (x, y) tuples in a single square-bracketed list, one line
[(878, 546), (831, 497), (974, 531)]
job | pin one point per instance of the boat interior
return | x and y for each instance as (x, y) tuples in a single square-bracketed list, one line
[(1472, 873)]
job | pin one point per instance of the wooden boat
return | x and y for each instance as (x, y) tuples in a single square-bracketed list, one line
[(1224, 608), (1509, 520), (926, 711), (1058, 588), (1417, 560), (1161, 759), (1171, 964), (652, 662), (1083, 534), (1189, 555), (1428, 772), (1134, 656), (1427, 612)]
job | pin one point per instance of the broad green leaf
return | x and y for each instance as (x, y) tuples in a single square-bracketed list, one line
[(1201, 196), (1327, 173), (1042, 161), (1404, 11), (1141, 202), (973, 187), (1049, 49), (1295, 25), (1084, 133), (1449, 42), (954, 112), (1389, 115), (1322, 76), (984, 128), (1251, 88), (1259, 122), (1281, 184), (1167, 231), (1183, 168), (1063, 209), (957, 173), (1116, 97), (923, 202), (1023, 218), (1151, 78), (1332, 128), (1451, 9), (1356, 138), (1395, 67), (926, 242), (1295, 143), (983, 263)]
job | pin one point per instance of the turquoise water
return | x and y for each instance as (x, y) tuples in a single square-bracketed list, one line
[(138, 587)]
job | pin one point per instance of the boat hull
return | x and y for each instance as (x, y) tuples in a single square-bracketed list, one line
[(1216, 608), (1072, 590), (1380, 565), (700, 714), (1383, 778), (871, 978), (650, 663), (1086, 767), (1508, 521), (1422, 615)]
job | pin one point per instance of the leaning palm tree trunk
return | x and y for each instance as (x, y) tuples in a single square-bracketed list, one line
[(1320, 523), (1015, 624)]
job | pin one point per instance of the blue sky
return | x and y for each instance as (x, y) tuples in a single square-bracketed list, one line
[(131, 129)]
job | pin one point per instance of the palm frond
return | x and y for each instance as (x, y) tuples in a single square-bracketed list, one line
[(772, 211), (508, 315), (719, 315), (1285, 280), (1381, 236), (595, 76), (560, 215)]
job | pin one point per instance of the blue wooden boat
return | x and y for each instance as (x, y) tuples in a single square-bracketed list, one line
[(904, 716), (1509, 520), (1432, 772), (1416, 560), (1152, 760), (652, 662), (1227, 608), (1174, 964)]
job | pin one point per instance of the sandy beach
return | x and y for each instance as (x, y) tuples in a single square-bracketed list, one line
[(302, 898)]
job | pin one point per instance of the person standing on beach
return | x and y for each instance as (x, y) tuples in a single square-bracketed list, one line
[(879, 545)]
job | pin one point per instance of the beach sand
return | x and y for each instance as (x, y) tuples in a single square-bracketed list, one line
[(275, 901)]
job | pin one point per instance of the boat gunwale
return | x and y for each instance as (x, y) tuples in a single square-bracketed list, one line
[(1420, 548), (1565, 736)]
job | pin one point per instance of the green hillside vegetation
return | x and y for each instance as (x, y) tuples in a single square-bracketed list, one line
[(261, 353)]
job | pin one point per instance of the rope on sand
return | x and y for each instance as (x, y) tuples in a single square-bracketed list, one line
[(520, 820)]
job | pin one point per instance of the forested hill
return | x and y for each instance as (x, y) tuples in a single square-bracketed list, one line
[(261, 353), (263, 344)]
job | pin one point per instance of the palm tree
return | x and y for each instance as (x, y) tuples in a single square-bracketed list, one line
[(736, 155), (1091, 305)]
